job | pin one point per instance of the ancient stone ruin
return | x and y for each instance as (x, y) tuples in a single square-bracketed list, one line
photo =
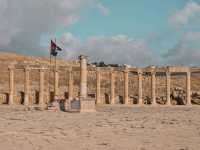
[(32, 84)]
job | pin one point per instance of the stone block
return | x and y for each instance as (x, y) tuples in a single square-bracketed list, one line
[(87, 105)]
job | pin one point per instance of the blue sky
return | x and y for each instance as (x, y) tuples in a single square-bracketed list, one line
[(134, 18), (136, 32)]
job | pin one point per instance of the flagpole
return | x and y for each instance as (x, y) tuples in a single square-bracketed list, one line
[(50, 73), (55, 74), (56, 55)]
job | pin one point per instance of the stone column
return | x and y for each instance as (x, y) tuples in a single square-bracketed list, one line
[(27, 86), (86, 104), (41, 94), (70, 86), (70, 89), (112, 86), (11, 85), (56, 84), (153, 87), (98, 86), (140, 100), (126, 81), (168, 78), (188, 88), (83, 76)]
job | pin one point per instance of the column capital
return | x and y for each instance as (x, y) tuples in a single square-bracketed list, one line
[(189, 69), (83, 57), (98, 69), (126, 68), (70, 69), (112, 71), (168, 72), (42, 69), (11, 67), (153, 70), (56, 71), (27, 68), (188, 72), (139, 71)]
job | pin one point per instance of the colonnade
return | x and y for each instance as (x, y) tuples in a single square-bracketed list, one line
[(140, 87), (26, 85), (83, 84)]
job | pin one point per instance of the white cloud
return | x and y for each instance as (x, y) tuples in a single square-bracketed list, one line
[(182, 17), (186, 52), (25, 22), (103, 9), (116, 49)]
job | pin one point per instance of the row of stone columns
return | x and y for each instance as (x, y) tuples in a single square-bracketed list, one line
[(27, 85), (41, 85), (83, 85), (140, 91)]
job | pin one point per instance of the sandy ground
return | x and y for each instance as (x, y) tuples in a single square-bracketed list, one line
[(110, 128)]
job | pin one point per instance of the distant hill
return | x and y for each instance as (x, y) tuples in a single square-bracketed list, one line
[(9, 57)]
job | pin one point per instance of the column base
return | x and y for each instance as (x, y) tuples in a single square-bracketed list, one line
[(42, 106), (11, 99), (140, 102), (168, 104), (112, 102), (154, 104), (67, 105), (189, 104), (87, 105), (10, 103), (126, 102), (26, 101)]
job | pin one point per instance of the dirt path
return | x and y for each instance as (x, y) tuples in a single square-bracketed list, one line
[(110, 128)]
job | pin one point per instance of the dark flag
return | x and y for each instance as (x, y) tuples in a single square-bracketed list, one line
[(54, 48)]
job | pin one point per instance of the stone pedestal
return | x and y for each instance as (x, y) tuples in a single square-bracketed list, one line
[(87, 105)]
